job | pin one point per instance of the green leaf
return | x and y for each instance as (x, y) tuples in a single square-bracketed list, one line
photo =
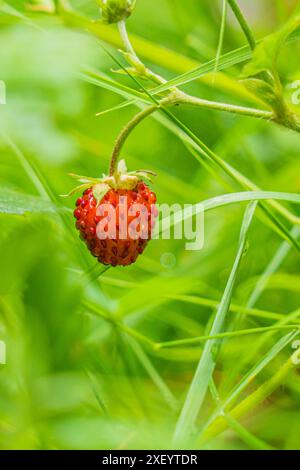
[(231, 198), (103, 81), (266, 54), (122, 105), (13, 202), (262, 89)]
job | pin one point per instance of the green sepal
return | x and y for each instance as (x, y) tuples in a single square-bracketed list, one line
[(122, 167), (121, 179), (86, 179), (99, 191), (144, 174), (78, 189)]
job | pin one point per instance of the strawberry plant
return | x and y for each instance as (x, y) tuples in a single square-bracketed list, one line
[(172, 348)]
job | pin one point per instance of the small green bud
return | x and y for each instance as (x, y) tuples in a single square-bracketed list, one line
[(116, 10)]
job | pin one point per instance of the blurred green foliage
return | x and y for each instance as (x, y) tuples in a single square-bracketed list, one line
[(74, 377)]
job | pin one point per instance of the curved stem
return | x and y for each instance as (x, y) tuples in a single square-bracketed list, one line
[(126, 131), (125, 39), (243, 23)]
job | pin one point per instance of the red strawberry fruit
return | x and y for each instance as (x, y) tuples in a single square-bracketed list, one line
[(116, 215)]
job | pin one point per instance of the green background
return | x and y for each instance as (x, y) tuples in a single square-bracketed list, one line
[(75, 377)]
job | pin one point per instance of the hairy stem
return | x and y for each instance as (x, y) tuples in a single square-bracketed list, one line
[(126, 131), (126, 40)]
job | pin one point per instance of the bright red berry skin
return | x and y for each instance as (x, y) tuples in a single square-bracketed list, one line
[(115, 250)]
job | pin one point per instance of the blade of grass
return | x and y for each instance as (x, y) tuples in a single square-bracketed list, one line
[(227, 334), (30, 169), (187, 67), (291, 317), (95, 309), (131, 303), (252, 400), (94, 388), (237, 177), (243, 23), (203, 374), (227, 60), (258, 313), (103, 81), (122, 105), (246, 380), (226, 199), (93, 273), (133, 338), (273, 266), (221, 35), (252, 441), (260, 286)]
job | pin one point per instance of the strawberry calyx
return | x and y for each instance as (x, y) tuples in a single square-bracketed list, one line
[(121, 179)]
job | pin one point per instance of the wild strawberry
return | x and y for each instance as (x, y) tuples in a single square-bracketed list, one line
[(116, 215)]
